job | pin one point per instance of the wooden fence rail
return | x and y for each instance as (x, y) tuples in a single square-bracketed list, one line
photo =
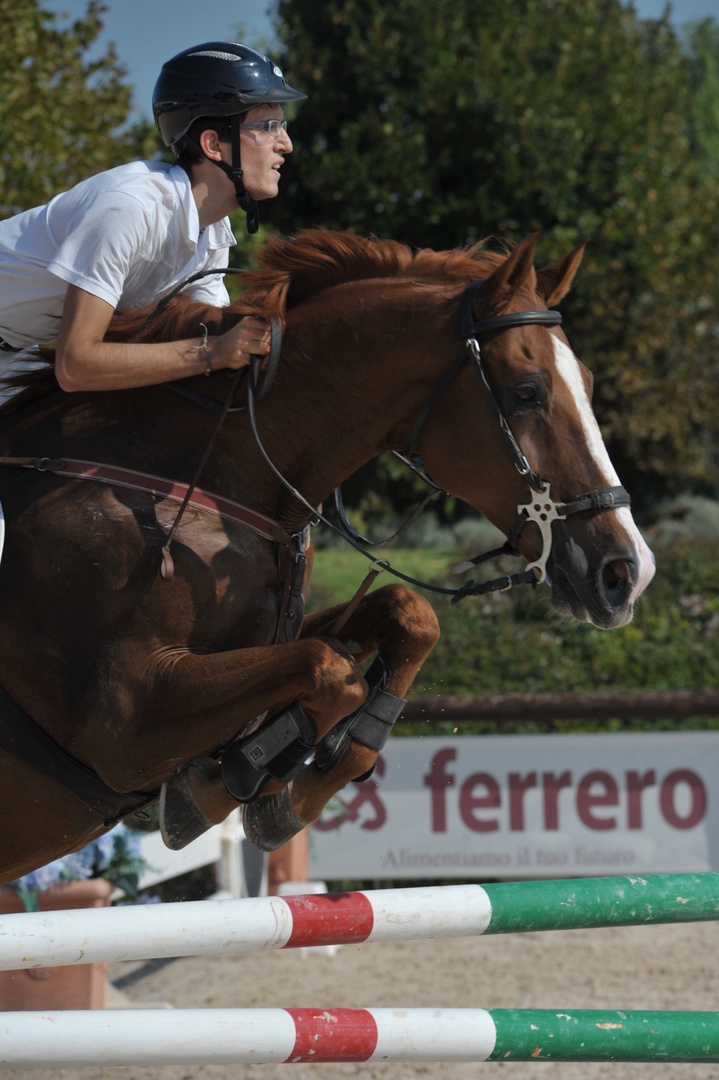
[(651, 704)]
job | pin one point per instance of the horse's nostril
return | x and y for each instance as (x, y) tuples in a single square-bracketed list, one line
[(617, 579), (619, 568)]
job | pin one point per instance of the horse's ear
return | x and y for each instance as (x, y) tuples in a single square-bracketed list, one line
[(554, 281), (500, 287)]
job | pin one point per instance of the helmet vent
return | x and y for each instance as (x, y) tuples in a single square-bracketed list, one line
[(216, 54)]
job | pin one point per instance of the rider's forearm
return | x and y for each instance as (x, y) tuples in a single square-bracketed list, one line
[(107, 365), (85, 361)]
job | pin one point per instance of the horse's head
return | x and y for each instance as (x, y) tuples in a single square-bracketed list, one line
[(538, 467)]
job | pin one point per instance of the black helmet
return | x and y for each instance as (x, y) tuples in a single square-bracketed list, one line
[(219, 78)]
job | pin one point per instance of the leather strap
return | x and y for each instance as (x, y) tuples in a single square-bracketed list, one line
[(158, 486), (292, 565), (595, 501), (278, 749), (20, 733)]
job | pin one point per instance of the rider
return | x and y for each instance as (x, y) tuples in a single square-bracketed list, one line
[(126, 237)]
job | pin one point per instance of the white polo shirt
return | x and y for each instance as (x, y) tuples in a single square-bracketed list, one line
[(128, 235)]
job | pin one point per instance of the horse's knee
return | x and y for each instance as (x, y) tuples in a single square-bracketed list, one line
[(408, 619)]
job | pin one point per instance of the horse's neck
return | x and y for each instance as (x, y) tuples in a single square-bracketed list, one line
[(351, 396)]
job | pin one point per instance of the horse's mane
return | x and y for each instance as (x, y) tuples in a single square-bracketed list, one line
[(26, 384), (291, 270), (299, 267)]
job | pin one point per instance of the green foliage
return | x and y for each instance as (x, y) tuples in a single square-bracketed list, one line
[(60, 113), (703, 45), (514, 642), (436, 122), (338, 573), (441, 121)]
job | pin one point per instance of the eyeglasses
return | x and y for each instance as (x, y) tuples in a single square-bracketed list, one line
[(273, 127)]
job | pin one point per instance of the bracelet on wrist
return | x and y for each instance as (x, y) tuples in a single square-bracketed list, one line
[(205, 346)]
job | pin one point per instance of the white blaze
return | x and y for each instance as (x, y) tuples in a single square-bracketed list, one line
[(569, 370)]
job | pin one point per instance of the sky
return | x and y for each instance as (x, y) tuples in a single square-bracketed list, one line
[(147, 32)]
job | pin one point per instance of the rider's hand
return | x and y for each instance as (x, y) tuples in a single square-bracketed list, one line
[(251, 336)]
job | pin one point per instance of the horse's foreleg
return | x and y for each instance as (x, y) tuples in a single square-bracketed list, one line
[(195, 704), (401, 626), (177, 704), (395, 621)]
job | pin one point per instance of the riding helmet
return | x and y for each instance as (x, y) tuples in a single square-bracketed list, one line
[(219, 78)]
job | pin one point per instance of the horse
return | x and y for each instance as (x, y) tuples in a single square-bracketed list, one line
[(146, 686)]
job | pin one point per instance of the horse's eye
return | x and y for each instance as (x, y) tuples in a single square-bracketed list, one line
[(527, 394)]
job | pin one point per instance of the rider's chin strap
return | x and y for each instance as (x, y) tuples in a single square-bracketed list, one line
[(236, 175)]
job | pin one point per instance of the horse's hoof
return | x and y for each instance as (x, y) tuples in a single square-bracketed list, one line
[(181, 820), (270, 821)]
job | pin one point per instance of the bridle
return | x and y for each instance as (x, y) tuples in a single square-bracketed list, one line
[(541, 509)]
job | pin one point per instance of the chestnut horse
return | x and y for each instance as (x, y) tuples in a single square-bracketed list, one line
[(141, 680)]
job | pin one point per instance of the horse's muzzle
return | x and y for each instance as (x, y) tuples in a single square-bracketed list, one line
[(600, 591)]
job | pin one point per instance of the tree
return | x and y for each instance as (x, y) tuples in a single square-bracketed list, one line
[(62, 116), (703, 46), (439, 122)]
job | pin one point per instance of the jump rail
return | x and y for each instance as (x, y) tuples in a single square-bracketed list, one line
[(59, 938), (262, 1036)]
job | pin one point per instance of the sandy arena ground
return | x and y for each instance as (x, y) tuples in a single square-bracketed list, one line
[(650, 967)]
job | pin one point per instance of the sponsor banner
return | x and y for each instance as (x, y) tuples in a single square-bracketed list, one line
[(527, 806)]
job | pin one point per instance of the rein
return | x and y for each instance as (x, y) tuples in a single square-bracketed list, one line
[(168, 568)]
